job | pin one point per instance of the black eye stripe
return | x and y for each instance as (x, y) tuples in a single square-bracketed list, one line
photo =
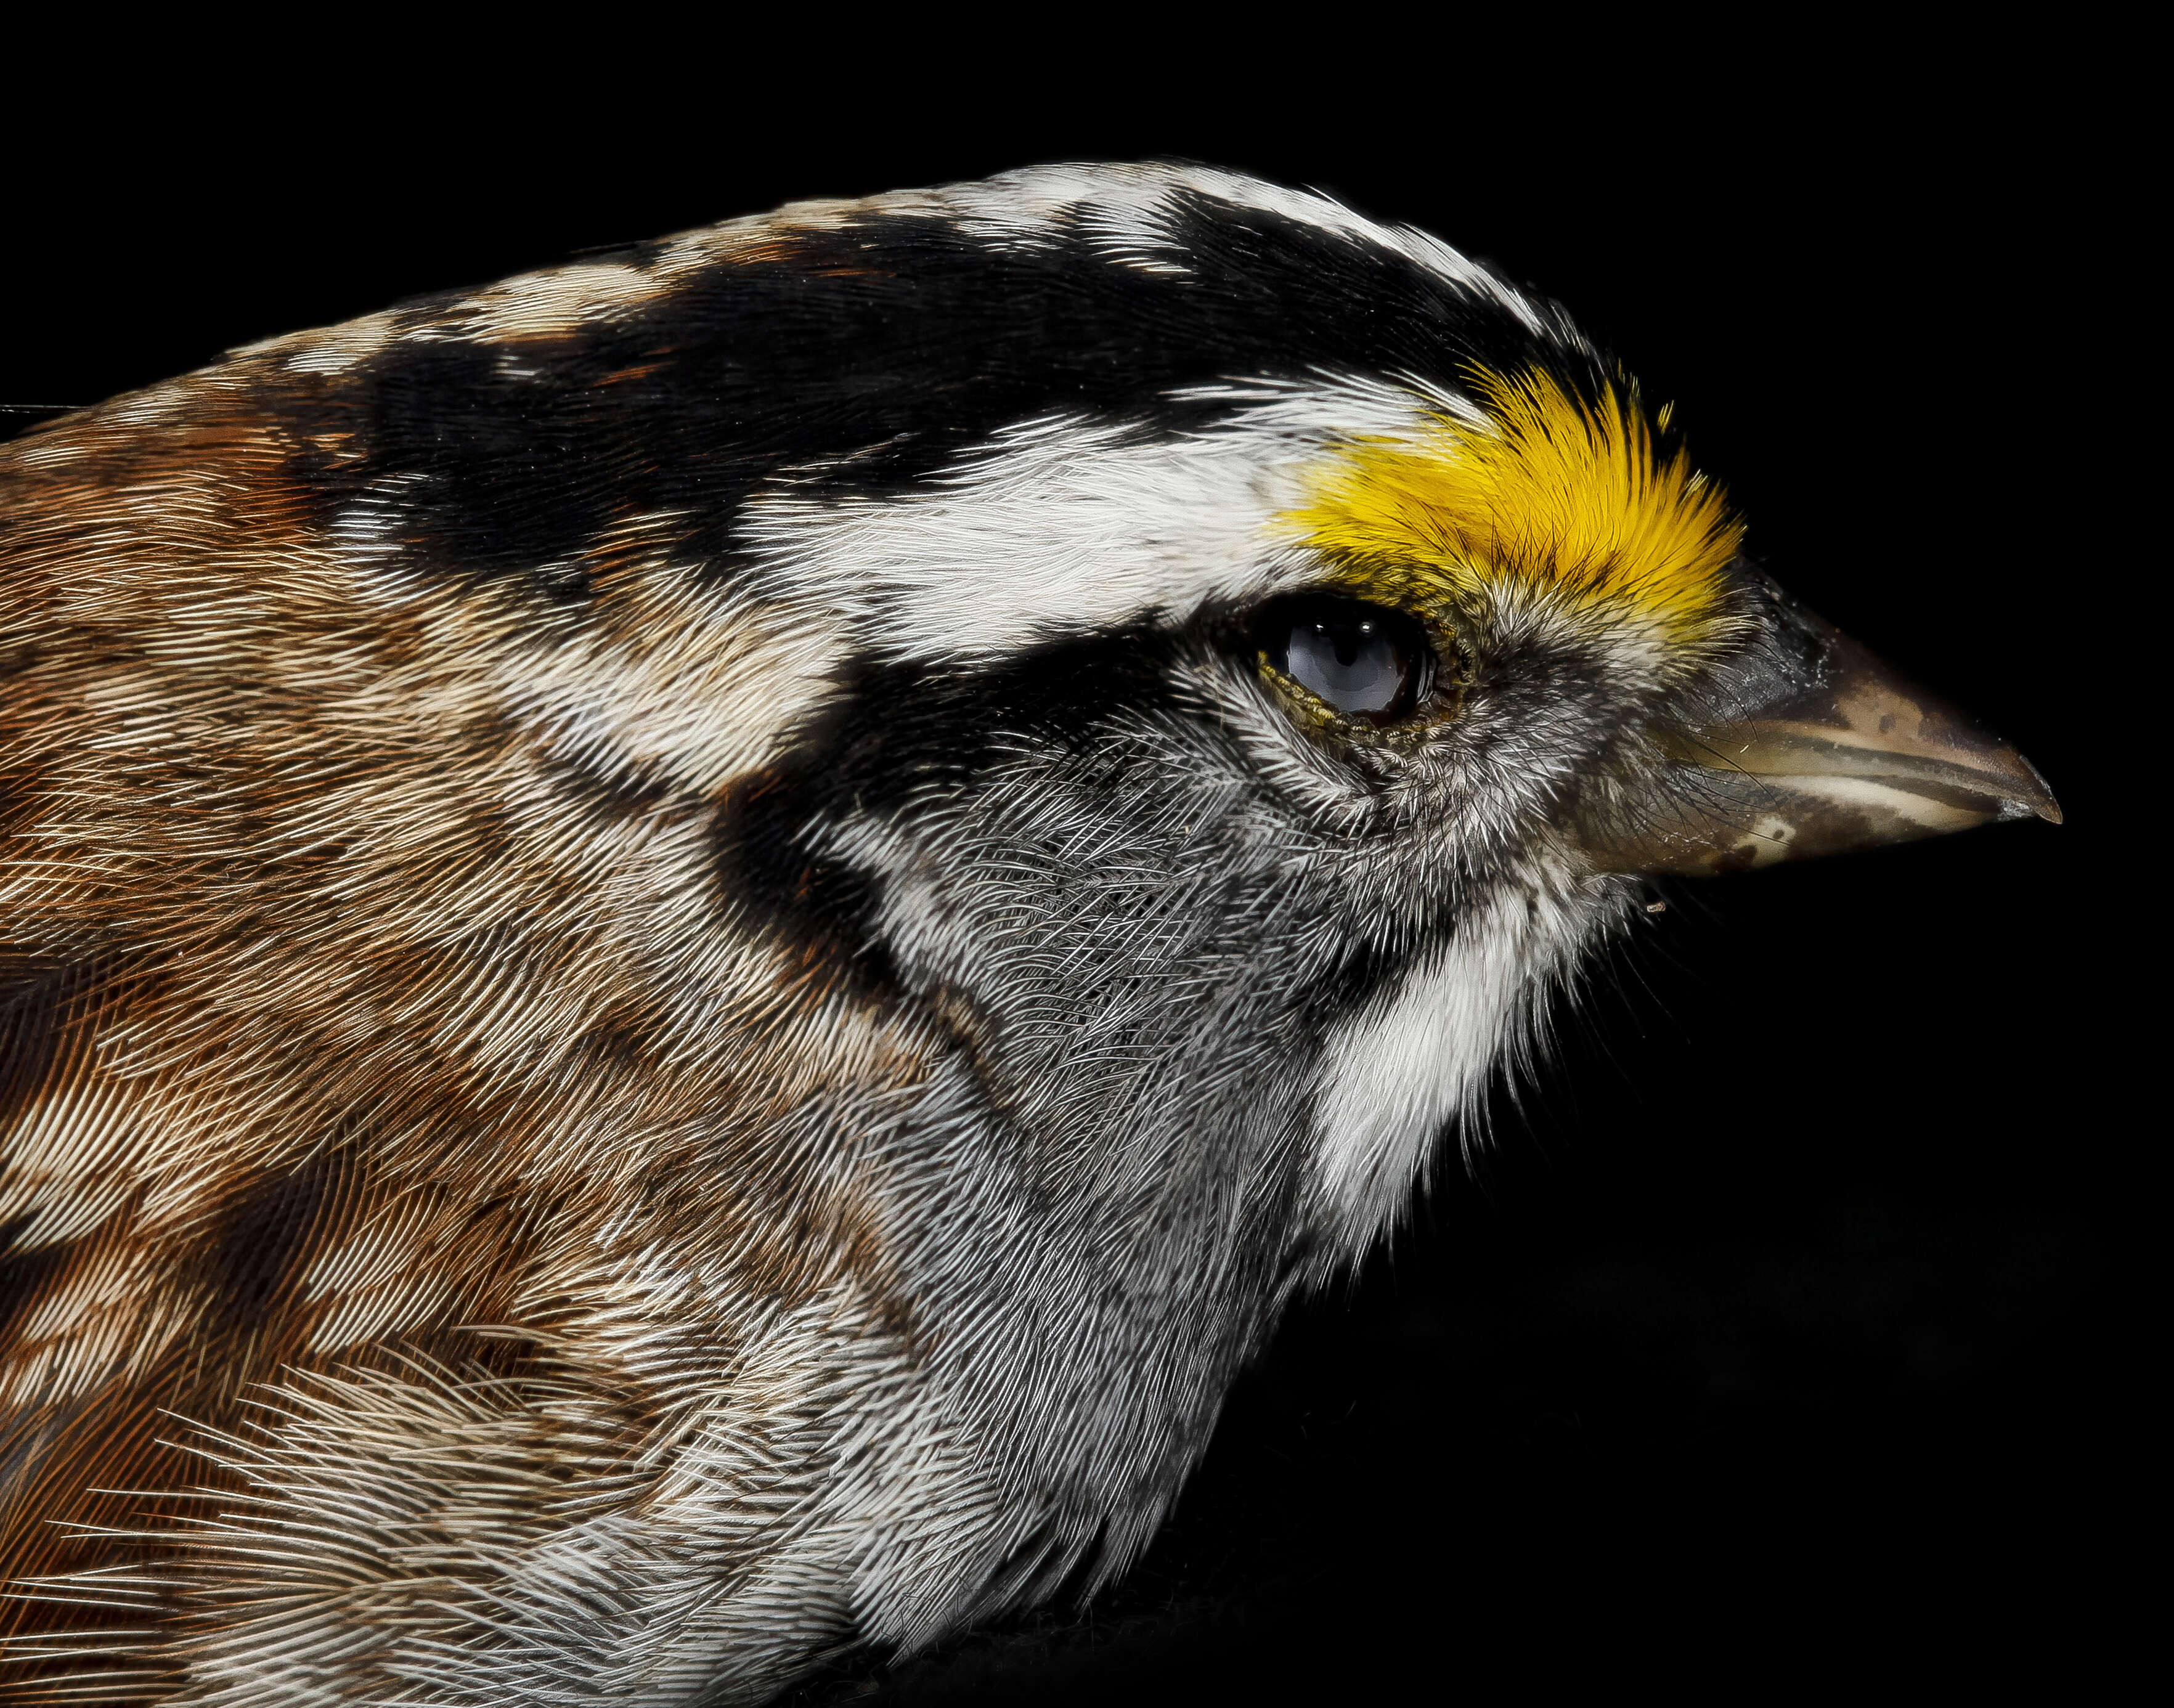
[(1364, 660)]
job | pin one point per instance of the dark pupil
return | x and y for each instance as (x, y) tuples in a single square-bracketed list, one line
[(1362, 659)]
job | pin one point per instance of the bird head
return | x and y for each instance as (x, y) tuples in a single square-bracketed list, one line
[(1254, 714)]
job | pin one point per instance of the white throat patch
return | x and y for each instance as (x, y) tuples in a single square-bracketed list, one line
[(1398, 1072)]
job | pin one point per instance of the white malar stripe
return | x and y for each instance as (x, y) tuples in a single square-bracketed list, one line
[(1395, 1074), (1063, 526)]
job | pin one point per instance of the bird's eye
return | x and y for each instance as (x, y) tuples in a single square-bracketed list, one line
[(1365, 661)]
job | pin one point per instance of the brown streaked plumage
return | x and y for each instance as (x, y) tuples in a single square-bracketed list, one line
[(281, 1112)]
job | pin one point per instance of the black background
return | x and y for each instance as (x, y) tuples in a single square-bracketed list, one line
[(1791, 1326)]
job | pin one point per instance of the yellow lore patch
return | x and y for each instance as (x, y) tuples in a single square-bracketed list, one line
[(1571, 500)]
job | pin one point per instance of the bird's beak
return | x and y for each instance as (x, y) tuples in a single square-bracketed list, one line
[(1811, 745)]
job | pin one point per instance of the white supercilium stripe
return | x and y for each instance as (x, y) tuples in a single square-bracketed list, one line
[(1061, 526)]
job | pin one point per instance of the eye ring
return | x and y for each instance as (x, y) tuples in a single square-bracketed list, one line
[(1372, 665)]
